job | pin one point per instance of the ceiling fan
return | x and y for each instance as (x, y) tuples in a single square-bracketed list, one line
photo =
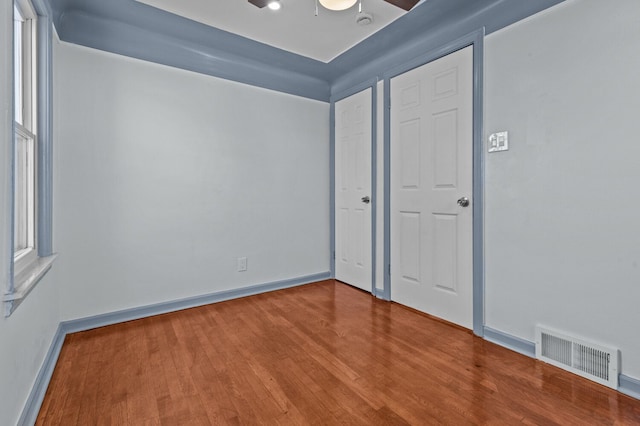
[(403, 4)]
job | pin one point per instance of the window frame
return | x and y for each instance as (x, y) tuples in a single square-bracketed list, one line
[(32, 124), (25, 78), (25, 223)]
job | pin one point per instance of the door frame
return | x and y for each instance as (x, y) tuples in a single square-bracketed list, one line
[(369, 84), (475, 39)]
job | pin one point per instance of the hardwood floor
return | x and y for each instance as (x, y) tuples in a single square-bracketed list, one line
[(323, 353)]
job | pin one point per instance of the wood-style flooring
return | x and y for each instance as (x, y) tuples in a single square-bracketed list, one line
[(320, 354)]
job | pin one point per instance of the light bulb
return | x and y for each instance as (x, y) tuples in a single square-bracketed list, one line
[(337, 4), (274, 5)]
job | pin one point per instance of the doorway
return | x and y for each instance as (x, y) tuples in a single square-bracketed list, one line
[(353, 192), (431, 187)]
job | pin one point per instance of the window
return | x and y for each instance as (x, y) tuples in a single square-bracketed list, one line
[(24, 242), (30, 260)]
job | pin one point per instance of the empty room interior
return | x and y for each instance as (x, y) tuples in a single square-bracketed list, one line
[(320, 212)]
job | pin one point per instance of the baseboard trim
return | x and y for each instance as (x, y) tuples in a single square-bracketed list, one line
[(88, 323), (629, 386), (39, 389), (626, 385), (514, 343)]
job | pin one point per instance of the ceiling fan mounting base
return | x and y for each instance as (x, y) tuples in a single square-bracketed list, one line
[(364, 18)]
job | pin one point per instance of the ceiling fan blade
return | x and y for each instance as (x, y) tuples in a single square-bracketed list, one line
[(402, 4), (259, 3)]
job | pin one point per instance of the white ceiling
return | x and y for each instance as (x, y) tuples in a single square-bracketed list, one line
[(294, 27)]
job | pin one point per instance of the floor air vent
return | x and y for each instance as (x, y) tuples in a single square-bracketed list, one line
[(589, 360)]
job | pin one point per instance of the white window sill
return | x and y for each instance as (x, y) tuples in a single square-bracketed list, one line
[(25, 281)]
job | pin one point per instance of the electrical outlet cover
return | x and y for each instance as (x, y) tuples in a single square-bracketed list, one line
[(242, 264), (499, 142)]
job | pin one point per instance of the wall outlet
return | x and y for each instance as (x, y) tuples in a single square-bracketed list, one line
[(242, 264)]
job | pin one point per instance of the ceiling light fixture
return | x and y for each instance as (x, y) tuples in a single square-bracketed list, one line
[(337, 4), (274, 5)]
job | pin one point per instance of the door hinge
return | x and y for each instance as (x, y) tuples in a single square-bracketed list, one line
[(334, 255), (389, 269)]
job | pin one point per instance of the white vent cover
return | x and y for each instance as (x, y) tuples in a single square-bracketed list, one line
[(589, 360)]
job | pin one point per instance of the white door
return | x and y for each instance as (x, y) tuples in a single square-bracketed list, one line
[(431, 176), (353, 189)]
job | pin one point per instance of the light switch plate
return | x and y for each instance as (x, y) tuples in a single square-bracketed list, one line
[(499, 142)]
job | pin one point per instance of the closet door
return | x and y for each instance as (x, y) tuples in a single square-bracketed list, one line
[(353, 190)]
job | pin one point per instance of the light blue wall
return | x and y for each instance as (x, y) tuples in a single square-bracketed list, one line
[(39, 316), (164, 177), (561, 212), (25, 336)]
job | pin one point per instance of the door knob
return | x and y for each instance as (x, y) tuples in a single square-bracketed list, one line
[(463, 202), (366, 199)]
